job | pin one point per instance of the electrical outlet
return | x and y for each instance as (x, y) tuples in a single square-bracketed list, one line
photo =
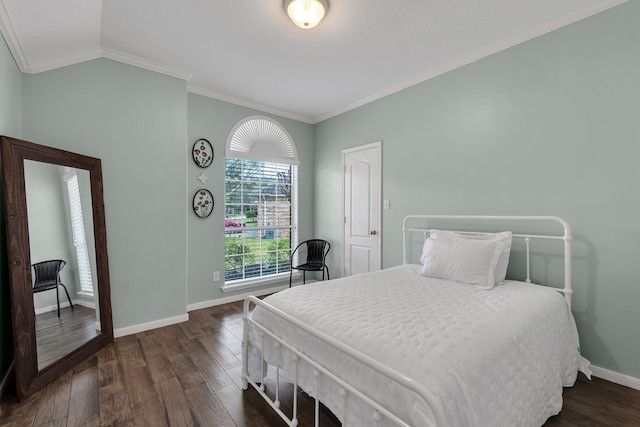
[(216, 276)]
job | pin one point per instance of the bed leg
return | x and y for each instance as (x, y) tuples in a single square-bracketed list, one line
[(245, 345)]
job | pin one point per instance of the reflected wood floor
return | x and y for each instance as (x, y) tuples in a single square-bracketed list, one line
[(57, 336), (189, 375)]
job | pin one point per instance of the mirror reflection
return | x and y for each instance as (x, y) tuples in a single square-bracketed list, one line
[(64, 279)]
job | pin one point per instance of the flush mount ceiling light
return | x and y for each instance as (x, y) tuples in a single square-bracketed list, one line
[(306, 13)]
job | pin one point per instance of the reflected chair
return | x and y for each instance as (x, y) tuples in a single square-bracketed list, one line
[(48, 277), (317, 250)]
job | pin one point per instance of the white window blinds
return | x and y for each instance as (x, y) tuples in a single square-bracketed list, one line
[(77, 225)]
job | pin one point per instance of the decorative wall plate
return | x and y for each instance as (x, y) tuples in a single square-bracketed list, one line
[(202, 153), (203, 203)]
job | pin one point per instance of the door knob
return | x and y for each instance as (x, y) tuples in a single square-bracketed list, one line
[(373, 232)]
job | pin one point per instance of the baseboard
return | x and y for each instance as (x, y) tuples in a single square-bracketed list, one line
[(234, 298), (130, 330), (84, 303), (49, 308), (615, 377), (8, 378), (65, 305)]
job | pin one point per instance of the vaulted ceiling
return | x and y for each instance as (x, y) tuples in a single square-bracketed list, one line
[(250, 53)]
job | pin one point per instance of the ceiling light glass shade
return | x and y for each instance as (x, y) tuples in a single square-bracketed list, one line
[(306, 13)]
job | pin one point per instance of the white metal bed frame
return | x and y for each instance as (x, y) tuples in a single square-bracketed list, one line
[(378, 410)]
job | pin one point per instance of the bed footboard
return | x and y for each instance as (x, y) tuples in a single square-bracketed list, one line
[(378, 410)]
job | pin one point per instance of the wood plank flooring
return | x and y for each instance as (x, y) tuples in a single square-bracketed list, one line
[(189, 375), (57, 336)]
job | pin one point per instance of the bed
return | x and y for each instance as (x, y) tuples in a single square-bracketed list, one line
[(448, 341)]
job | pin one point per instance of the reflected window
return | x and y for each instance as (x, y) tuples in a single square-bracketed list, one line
[(77, 226)]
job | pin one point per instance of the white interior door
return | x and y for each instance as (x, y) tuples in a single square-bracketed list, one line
[(361, 203)]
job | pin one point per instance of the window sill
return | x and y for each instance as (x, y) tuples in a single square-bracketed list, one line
[(237, 285)]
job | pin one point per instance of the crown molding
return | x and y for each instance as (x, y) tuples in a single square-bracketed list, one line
[(199, 90), (146, 64), (547, 27), (75, 58), (11, 37), (13, 42), (17, 50)]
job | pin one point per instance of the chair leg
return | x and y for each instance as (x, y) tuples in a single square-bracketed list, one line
[(65, 291), (328, 278), (58, 300), (290, 276), (304, 279)]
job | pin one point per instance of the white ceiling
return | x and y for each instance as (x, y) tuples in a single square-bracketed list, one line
[(249, 52)]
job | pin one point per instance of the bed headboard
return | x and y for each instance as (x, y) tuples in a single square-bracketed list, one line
[(417, 224)]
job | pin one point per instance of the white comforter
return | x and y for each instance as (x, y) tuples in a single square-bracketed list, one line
[(488, 358)]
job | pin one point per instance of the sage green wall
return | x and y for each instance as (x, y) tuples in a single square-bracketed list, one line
[(143, 125), (10, 118), (136, 122), (213, 120), (50, 235), (547, 127), (551, 126)]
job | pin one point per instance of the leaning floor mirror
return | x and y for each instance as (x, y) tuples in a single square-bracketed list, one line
[(57, 258)]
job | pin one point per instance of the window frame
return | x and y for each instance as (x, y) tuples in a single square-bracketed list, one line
[(262, 139), (85, 274)]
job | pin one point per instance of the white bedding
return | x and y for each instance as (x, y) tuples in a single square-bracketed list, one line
[(488, 357)]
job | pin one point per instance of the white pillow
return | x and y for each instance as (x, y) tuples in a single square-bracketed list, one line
[(503, 261), (471, 261)]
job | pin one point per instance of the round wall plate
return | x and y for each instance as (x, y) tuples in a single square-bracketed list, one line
[(203, 203), (202, 153)]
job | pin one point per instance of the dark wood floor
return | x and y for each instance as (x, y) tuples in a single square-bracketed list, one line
[(189, 374), (57, 336)]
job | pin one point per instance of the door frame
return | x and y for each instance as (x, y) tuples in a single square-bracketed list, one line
[(377, 145)]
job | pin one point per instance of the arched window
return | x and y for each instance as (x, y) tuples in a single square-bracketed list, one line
[(261, 203)]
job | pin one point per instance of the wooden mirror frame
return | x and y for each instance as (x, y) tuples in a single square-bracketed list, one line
[(14, 152)]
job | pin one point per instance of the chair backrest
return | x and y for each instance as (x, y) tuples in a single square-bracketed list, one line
[(47, 274), (317, 250)]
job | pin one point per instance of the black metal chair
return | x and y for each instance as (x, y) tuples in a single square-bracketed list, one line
[(48, 277), (317, 250)]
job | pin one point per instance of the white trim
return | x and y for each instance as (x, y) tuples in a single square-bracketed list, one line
[(83, 265), (11, 37), (234, 298), (362, 147), (615, 377), (237, 285), (146, 64), (479, 54), (72, 59), (13, 42), (141, 327), (80, 302), (84, 303), (262, 158), (54, 307), (208, 93)]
